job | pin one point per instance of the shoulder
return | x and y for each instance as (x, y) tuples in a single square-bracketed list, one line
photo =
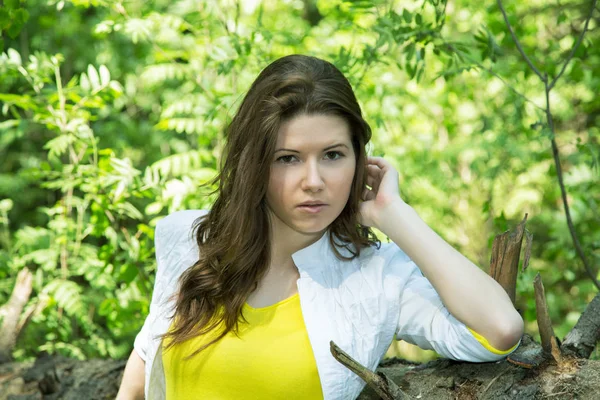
[(174, 243), (177, 224), (391, 257)]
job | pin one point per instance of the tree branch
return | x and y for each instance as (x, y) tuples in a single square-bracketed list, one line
[(582, 339), (379, 382), (491, 72), (563, 191), (516, 40), (579, 40), (550, 123)]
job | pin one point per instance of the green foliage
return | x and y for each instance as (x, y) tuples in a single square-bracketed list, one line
[(116, 119)]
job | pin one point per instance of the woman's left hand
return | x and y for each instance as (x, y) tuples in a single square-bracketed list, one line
[(382, 177)]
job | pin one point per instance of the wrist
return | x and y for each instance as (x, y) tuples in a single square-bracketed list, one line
[(387, 213)]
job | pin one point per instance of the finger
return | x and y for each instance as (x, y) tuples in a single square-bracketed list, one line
[(371, 181), (374, 179), (374, 170), (364, 194), (379, 162), (371, 195)]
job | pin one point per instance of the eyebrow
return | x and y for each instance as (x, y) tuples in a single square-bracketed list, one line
[(325, 149)]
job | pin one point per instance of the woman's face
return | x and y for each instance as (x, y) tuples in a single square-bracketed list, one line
[(314, 161)]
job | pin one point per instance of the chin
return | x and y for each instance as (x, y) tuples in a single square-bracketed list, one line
[(313, 227)]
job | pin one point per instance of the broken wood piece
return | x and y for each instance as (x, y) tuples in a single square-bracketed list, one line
[(555, 350), (543, 319), (379, 382), (528, 355), (10, 314), (527, 255), (504, 264)]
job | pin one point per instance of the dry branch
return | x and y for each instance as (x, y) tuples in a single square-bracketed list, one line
[(379, 382), (504, 264), (549, 342)]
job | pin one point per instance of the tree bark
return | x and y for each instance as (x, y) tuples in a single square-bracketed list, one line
[(583, 338), (504, 264)]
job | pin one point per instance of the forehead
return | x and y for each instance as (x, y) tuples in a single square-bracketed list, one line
[(308, 131)]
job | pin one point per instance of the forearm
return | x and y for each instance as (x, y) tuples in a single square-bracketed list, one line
[(470, 294), (132, 384)]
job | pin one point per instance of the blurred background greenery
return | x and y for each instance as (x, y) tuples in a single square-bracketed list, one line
[(112, 115)]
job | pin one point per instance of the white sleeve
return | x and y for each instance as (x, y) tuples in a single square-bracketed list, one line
[(143, 337), (426, 322), (175, 251)]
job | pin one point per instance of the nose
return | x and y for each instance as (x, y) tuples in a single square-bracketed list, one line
[(313, 180)]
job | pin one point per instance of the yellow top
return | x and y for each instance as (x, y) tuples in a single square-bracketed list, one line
[(272, 359), (488, 346)]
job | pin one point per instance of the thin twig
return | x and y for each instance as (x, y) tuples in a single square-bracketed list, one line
[(579, 40), (563, 191), (491, 382), (491, 72), (550, 122), (379, 382), (516, 40)]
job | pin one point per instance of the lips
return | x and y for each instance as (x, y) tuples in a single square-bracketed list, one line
[(312, 208), (311, 204)]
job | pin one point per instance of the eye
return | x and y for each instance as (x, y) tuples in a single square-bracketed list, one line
[(286, 159), (334, 153)]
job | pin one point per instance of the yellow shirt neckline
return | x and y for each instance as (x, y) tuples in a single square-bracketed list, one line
[(279, 303)]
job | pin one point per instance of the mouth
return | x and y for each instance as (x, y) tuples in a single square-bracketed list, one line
[(312, 208)]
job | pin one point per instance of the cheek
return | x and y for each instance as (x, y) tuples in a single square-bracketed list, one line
[(276, 190), (349, 177)]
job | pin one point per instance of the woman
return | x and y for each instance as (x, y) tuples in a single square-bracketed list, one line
[(286, 262)]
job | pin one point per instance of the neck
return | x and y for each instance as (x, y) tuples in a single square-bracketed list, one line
[(285, 241)]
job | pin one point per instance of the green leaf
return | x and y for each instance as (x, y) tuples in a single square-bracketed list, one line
[(104, 75), (6, 205), (14, 29), (58, 146), (21, 15), (93, 76), (14, 56), (5, 19), (11, 4), (85, 82), (10, 123), (128, 273)]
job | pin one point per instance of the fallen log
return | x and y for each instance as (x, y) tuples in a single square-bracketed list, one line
[(438, 379)]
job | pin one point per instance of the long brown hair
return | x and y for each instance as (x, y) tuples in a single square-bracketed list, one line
[(233, 238)]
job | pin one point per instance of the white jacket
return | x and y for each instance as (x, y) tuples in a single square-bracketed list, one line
[(358, 304)]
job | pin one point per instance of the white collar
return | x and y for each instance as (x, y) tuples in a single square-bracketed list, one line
[(314, 256), (318, 251)]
